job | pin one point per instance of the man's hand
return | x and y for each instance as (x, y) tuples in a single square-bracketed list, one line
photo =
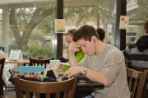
[(74, 71), (72, 48)]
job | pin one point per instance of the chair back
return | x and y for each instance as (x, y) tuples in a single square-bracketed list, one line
[(2, 61), (136, 80), (39, 62), (29, 89), (2, 49)]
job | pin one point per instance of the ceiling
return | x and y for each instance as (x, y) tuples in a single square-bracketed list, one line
[(23, 3), (30, 3)]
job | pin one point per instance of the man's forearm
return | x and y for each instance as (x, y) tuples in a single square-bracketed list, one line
[(97, 77), (72, 60)]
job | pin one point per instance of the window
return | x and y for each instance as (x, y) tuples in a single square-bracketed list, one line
[(31, 28), (137, 14), (91, 12)]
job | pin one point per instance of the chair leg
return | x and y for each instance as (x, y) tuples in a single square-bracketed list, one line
[(1, 91), (1, 88)]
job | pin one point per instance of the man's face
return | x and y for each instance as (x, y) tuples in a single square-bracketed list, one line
[(68, 38), (88, 47)]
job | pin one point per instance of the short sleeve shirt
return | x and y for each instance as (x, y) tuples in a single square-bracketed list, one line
[(111, 63)]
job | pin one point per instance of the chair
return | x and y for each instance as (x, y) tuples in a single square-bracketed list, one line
[(2, 61), (136, 80), (62, 59), (2, 49), (39, 62), (64, 89)]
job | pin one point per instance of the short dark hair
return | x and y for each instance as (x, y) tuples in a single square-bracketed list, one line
[(146, 26), (85, 32), (101, 33)]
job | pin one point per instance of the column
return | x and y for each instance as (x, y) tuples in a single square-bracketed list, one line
[(5, 28)]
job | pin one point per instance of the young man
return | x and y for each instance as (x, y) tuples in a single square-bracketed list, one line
[(103, 63)]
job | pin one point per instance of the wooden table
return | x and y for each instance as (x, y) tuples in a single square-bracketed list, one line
[(89, 84), (85, 87)]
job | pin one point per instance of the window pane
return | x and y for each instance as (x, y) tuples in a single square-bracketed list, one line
[(137, 14), (31, 25), (91, 12)]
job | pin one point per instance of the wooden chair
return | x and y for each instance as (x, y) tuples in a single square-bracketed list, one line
[(136, 80), (2, 61), (64, 89), (39, 62)]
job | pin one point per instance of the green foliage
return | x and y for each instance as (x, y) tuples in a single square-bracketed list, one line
[(140, 12), (86, 13), (37, 51), (29, 25), (47, 25)]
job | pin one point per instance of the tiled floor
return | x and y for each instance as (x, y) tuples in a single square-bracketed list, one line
[(9, 94)]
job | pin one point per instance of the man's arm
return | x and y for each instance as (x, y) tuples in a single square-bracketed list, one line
[(72, 48), (89, 73), (101, 78), (75, 70)]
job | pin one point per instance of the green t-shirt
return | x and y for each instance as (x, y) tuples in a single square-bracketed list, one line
[(79, 55)]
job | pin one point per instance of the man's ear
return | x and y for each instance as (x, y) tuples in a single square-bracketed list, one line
[(93, 39)]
